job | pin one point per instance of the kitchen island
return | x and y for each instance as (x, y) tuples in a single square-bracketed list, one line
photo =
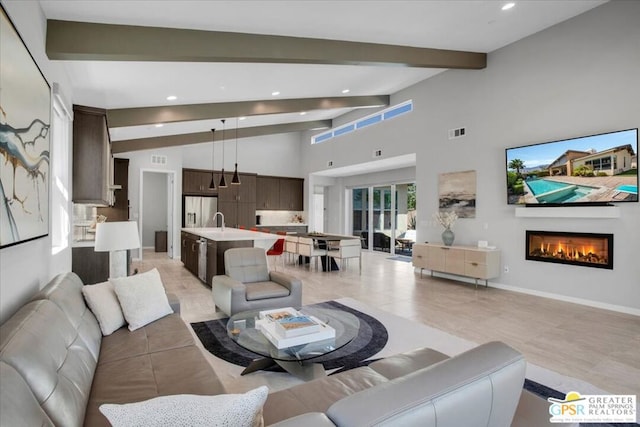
[(202, 249)]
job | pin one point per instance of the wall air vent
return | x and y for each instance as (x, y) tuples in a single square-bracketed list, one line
[(457, 133), (157, 159), (377, 153)]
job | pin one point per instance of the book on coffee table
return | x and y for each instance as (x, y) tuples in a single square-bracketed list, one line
[(268, 329), (278, 313), (295, 326)]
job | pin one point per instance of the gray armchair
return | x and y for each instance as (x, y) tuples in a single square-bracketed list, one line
[(248, 284)]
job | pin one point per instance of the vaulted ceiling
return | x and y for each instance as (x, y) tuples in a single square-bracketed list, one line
[(268, 66)]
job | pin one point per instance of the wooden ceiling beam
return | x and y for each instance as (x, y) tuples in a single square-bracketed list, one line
[(85, 41), (183, 113), (125, 146)]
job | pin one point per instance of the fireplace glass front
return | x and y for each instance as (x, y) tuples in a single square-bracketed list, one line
[(583, 249)]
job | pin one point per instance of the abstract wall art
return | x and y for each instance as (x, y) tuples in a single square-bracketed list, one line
[(25, 117), (457, 192)]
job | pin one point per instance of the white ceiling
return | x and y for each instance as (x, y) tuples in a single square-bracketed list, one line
[(474, 25)]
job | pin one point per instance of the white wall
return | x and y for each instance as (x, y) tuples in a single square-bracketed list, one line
[(25, 268), (139, 162), (577, 78), (264, 155)]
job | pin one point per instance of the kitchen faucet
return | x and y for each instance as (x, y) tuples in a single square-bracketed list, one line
[(222, 215)]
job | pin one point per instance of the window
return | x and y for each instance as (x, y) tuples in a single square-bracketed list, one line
[(60, 180), (387, 114)]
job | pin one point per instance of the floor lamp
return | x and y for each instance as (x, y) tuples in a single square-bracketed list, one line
[(116, 238)]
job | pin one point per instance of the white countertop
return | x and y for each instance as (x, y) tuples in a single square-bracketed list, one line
[(83, 243), (287, 224), (263, 240)]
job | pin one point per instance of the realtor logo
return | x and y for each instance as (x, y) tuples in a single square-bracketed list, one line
[(578, 408)]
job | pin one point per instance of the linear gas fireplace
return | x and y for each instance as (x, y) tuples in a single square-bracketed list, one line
[(584, 249)]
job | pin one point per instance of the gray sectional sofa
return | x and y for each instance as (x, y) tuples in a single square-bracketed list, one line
[(56, 368)]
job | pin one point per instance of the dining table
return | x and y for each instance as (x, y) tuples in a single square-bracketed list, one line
[(324, 241)]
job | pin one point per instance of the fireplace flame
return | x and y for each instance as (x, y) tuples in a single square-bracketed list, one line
[(572, 248), (567, 251)]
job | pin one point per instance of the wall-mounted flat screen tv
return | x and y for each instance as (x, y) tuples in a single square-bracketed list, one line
[(589, 170)]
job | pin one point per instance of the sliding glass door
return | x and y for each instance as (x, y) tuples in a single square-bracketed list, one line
[(360, 214), (405, 218), (384, 216)]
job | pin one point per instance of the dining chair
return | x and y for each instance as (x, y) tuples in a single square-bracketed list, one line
[(276, 251), (348, 248), (291, 247), (307, 248)]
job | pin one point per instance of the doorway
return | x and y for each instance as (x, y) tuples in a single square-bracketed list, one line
[(384, 217), (157, 211)]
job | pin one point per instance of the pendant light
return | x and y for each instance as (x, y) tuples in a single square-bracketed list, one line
[(212, 184), (223, 183), (236, 179)]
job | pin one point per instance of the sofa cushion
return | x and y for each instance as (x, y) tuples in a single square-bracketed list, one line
[(175, 371), (310, 419), (246, 265), (142, 297), (405, 363), (318, 395), (238, 410), (18, 405), (103, 302), (40, 343), (486, 380), (163, 334), (65, 291), (265, 290)]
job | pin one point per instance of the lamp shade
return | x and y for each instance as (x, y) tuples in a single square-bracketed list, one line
[(116, 236)]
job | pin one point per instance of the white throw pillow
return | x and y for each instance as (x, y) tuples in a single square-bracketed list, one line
[(224, 410), (103, 302), (142, 298)]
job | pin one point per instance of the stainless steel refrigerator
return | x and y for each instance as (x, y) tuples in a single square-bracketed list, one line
[(199, 211)]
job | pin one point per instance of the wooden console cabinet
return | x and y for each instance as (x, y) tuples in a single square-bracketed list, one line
[(467, 261)]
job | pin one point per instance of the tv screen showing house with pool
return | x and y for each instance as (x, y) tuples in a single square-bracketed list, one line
[(595, 169)]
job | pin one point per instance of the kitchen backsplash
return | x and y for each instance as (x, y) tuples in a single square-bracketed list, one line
[(83, 218), (281, 217)]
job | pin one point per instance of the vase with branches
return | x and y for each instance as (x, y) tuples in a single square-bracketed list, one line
[(446, 219)]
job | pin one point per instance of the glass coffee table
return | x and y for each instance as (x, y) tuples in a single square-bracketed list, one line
[(297, 360)]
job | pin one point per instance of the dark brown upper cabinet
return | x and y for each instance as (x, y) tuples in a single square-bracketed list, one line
[(92, 161), (280, 193), (195, 182)]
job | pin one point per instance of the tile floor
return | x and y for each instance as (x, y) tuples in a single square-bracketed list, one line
[(598, 346)]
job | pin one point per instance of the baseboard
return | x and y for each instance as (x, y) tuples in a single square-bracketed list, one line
[(565, 298)]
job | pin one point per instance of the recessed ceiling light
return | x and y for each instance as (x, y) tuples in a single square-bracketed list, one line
[(346, 91), (171, 98), (302, 113), (159, 125), (508, 6), (275, 93), (241, 118)]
